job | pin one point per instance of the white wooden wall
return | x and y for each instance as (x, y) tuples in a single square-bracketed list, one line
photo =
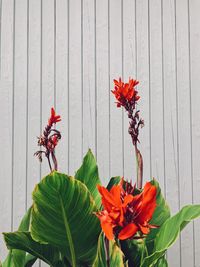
[(65, 53)]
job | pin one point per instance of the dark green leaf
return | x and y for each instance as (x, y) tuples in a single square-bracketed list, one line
[(161, 214), (113, 181), (63, 217), (29, 260), (133, 250), (162, 211), (24, 242), (88, 174), (16, 258)]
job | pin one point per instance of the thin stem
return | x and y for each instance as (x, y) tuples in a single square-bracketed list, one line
[(106, 242), (54, 161), (49, 163), (139, 162)]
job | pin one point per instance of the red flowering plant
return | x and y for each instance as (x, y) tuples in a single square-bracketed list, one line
[(75, 221)]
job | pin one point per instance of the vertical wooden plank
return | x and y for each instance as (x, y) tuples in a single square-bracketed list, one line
[(194, 35), (142, 45), (129, 70), (47, 74), (75, 96), (34, 60), (34, 96), (62, 81), (116, 126), (89, 74), (184, 133), (20, 127), (170, 117), (48, 70), (0, 32), (156, 92), (103, 88), (6, 100)]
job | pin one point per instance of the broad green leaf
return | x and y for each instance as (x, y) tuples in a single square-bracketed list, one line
[(162, 262), (24, 242), (88, 174), (134, 250), (161, 214), (170, 230), (116, 257), (25, 222), (16, 258), (30, 260), (8, 262), (63, 217), (162, 211), (113, 181)]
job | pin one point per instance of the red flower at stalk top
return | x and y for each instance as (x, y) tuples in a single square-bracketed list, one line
[(54, 118), (125, 214), (125, 92)]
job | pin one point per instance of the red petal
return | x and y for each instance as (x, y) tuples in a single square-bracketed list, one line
[(137, 97), (116, 82), (136, 82), (114, 214), (116, 193), (131, 82), (148, 204), (121, 219), (128, 231), (106, 224), (53, 112), (107, 198), (127, 200), (144, 229), (108, 230)]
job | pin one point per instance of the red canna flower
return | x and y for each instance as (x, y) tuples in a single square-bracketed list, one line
[(125, 214), (49, 140), (125, 93), (54, 118), (140, 212)]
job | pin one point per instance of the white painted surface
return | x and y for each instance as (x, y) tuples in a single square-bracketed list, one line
[(66, 54)]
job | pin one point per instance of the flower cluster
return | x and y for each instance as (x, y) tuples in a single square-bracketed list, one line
[(49, 139), (126, 213), (125, 93)]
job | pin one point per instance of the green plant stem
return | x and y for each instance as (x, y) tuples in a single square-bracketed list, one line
[(106, 242), (139, 163)]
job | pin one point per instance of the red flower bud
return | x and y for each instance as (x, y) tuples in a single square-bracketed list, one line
[(54, 118)]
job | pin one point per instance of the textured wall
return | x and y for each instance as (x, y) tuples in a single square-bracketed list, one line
[(65, 54)]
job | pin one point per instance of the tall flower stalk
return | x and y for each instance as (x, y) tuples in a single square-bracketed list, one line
[(127, 97), (49, 140)]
